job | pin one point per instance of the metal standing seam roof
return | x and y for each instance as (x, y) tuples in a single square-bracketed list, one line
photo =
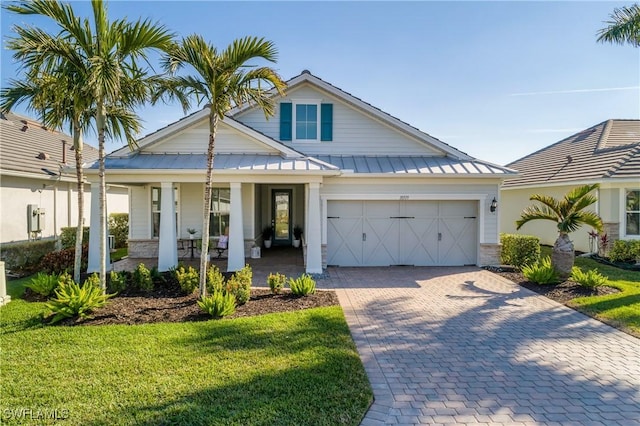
[(248, 162), (607, 150), (358, 163), (424, 165), (23, 139)]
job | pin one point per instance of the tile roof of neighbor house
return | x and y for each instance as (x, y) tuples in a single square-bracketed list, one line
[(608, 150), (423, 165), (27, 147)]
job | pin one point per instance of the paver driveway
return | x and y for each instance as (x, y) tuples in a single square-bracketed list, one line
[(465, 346)]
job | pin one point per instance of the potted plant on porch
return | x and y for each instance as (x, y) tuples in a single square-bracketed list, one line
[(267, 233), (192, 233), (297, 235)]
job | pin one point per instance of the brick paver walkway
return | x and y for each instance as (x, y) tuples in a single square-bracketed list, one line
[(464, 346)]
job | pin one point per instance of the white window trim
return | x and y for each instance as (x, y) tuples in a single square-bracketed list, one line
[(623, 215), (220, 212), (177, 207), (294, 103)]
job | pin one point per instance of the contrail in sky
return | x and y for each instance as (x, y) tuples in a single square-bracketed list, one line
[(554, 92)]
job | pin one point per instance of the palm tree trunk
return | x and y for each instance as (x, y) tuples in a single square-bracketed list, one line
[(77, 146), (100, 121), (563, 255), (213, 126)]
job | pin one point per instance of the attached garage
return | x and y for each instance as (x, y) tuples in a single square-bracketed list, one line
[(392, 232)]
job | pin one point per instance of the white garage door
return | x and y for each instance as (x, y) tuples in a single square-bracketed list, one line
[(383, 233)]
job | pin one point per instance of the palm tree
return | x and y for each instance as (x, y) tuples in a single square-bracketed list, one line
[(106, 56), (568, 214), (59, 102), (624, 26), (223, 80)]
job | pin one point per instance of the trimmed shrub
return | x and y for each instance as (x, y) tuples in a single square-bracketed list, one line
[(215, 280), (592, 278), (541, 272), (625, 251), (188, 280), (219, 304), (119, 228), (303, 285), (68, 236), (142, 278), (25, 255), (62, 260), (519, 250), (74, 300), (276, 282), (43, 284), (117, 281), (240, 284)]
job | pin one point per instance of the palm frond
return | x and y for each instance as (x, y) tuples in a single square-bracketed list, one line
[(535, 213), (624, 26)]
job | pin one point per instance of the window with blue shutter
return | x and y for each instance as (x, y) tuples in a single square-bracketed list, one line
[(307, 121), (286, 124), (326, 122)]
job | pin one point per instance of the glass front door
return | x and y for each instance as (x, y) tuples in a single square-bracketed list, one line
[(281, 202)]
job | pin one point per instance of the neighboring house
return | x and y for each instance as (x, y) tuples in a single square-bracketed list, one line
[(38, 196), (608, 154), (367, 188)]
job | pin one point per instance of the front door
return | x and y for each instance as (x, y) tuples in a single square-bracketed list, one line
[(281, 202)]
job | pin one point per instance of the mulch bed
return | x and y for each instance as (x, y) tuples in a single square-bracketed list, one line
[(168, 304), (562, 292)]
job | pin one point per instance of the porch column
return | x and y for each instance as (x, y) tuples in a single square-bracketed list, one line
[(94, 226), (236, 231), (314, 240), (168, 243)]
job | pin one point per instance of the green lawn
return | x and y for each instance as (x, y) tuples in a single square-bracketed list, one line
[(118, 254), (294, 368), (622, 309)]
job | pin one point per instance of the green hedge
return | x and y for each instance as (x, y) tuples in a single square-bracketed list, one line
[(119, 228), (26, 254), (519, 250), (625, 251), (68, 236)]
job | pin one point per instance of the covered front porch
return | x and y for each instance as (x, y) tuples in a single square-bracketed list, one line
[(162, 215)]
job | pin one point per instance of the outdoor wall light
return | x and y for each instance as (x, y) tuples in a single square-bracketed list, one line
[(494, 205)]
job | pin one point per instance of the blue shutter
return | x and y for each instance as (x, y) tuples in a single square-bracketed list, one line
[(285, 121), (326, 122)]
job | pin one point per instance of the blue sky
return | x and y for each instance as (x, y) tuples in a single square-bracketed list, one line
[(497, 80)]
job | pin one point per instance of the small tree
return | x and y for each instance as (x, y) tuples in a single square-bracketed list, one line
[(569, 214), (225, 79)]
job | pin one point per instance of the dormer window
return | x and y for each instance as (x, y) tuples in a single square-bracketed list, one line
[(306, 121)]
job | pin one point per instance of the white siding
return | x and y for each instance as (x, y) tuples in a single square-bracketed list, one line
[(58, 199), (248, 211), (194, 140), (191, 208), (354, 132), (140, 214)]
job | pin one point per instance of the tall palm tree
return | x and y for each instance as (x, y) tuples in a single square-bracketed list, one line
[(569, 214), (224, 80), (624, 26), (59, 102), (108, 57)]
